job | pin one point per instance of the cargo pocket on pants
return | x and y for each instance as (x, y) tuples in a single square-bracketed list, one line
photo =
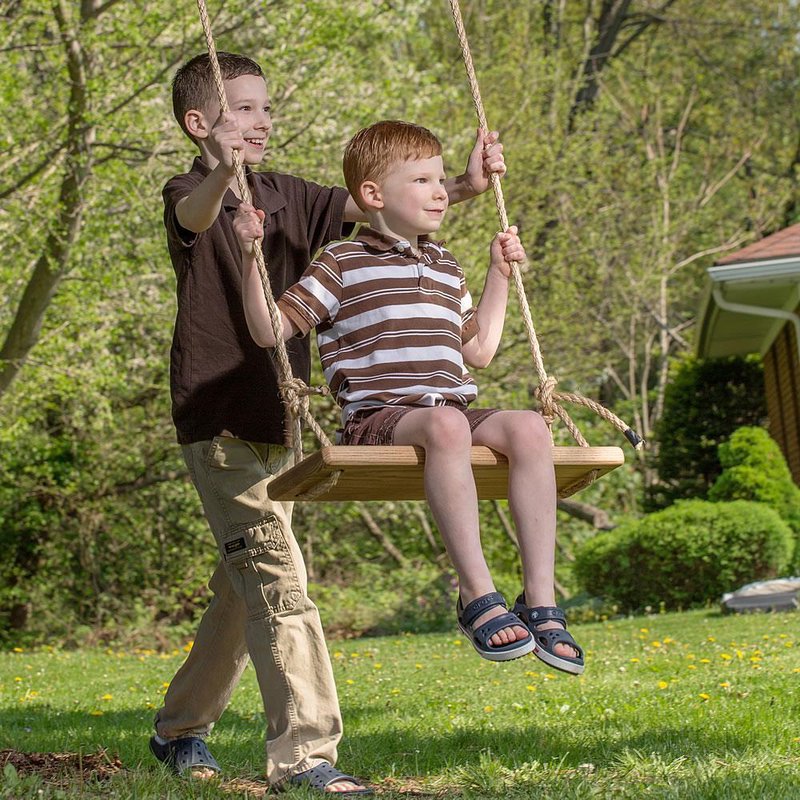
[(259, 558)]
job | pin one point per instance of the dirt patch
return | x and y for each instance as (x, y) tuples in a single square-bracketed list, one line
[(55, 768)]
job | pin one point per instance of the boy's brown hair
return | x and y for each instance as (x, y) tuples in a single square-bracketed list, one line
[(193, 85), (371, 152)]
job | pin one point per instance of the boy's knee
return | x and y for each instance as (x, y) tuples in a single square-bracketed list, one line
[(530, 432), (263, 568), (448, 428)]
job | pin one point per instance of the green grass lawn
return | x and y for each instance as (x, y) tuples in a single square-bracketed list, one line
[(692, 705)]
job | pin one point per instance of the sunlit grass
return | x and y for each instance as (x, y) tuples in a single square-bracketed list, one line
[(690, 705)]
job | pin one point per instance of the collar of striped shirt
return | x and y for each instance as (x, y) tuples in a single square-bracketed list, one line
[(384, 243)]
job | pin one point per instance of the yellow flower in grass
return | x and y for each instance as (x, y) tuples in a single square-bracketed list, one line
[(655, 643), (725, 656), (18, 650), (704, 696), (187, 648), (488, 709), (107, 697), (663, 684), (96, 713)]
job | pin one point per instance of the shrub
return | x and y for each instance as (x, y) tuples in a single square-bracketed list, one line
[(706, 400), (687, 554), (754, 469)]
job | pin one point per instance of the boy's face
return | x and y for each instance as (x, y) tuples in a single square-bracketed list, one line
[(411, 197), (249, 102)]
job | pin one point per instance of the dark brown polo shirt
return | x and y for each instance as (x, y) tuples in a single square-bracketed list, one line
[(220, 379)]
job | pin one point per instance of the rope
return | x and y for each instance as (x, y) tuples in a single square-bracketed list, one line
[(545, 392), (294, 392)]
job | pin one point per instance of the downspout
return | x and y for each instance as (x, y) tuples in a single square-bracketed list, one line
[(759, 311)]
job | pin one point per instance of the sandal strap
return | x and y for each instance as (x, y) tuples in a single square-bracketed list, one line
[(538, 614), (474, 609), (492, 626), (323, 775), (553, 636)]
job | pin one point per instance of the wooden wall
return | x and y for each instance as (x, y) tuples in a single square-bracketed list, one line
[(782, 385)]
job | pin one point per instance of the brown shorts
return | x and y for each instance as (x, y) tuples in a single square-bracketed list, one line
[(376, 426)]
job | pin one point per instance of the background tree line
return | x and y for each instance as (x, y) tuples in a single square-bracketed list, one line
[(644, 138)]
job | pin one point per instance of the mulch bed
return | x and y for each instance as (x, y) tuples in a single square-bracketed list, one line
[(57, 767)]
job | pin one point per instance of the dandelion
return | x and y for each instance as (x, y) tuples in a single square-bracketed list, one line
[(18, 650), (705, 660), (530, 687), (395, 691), (662, 684), (457, 642), (107, 697), (187, 648), (488, 709), (355, 655), (725, 656), (634, 661), (350, 681), (96, 713), (703, 696), (644, 630), (655, 643), (725, 685), (378, 665), (338, 654), (417, 666), (711, 638)]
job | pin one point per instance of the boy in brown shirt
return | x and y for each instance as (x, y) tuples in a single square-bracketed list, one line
[(230, 423)]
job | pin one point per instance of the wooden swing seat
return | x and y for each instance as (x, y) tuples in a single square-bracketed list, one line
[(374, 472)]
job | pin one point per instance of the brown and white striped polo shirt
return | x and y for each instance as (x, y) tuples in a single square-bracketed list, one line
[(390, 325)]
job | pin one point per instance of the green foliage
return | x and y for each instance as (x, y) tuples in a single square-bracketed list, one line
[(705, 402), (685, 555), (754, 469)]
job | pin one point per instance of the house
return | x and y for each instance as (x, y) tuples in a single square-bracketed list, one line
[(752, 305)]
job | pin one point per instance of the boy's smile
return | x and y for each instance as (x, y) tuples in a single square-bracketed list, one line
[(411, 199)]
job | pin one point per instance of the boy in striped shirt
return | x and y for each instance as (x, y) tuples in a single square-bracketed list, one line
[(396, 330)]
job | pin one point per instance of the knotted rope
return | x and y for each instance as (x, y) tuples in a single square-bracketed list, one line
[(545, 392), (294, 391)]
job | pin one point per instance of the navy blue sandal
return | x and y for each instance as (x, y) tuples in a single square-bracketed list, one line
[(323, 775), (184, 755), (479, 636), (546, 641)]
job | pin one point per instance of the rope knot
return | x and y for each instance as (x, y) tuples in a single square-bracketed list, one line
[(544, 394)]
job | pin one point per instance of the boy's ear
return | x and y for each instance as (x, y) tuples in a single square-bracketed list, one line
[(196, 123), (371, 195)]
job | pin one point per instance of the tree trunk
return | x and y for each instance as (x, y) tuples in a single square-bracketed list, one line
[(53, 262)]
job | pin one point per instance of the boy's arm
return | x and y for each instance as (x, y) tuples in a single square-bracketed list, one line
[(491, 310), (199, 209), (249, 226), (486, 158)]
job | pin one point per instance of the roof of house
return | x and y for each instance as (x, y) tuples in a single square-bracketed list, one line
[(750, 295), (783, 244)]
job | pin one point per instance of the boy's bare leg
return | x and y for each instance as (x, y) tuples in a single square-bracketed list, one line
[(522, 436), (450, 489)]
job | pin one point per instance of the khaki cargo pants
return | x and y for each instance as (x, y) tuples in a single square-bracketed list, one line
[(259, 609)]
